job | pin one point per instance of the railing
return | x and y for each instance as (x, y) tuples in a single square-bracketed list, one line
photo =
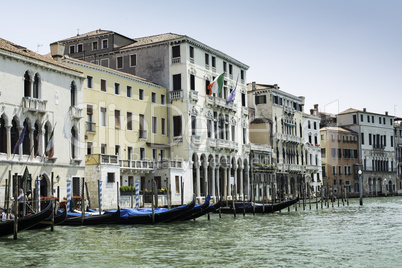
[(33, 104), (170, 164), (142, 134), (178, 139), (90, 126), (196, 140), (244, 110), (175, 95), (138, 164), (221, 102), (75, 112), (109, 159), (176, 60), (246, 148), (193, 95), (212, 143)]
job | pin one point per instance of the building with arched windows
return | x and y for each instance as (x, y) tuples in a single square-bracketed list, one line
[(40, 130)]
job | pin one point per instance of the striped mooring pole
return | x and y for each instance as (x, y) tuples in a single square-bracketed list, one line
[(137, 194), (38, 187), (68, 193), (100, 196)]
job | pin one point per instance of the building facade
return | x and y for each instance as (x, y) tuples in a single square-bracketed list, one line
[(207, 133), (376, 149), (39, 100), (398, 152)]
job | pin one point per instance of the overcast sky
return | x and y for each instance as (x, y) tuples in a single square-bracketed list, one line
[(338, 54)]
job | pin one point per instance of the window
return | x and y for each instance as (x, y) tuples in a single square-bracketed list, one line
[(315, 125), (133, 60), (154, 125), (162, 153), (392, 141), (103, 116), (230, 69), (177, 82), (117, 119), (73, 94), (89, 81), (193, 125), (72, 49), (176, 52), (361, 118), (354, 119), (243, 99), (142, 131), (104, 63), (369, 138), (163, 99), (95, 45), (191, 52), (206, 59), (213, 62), (154, 154), (117, 150), (153, 97), (177, 125), (224, 67), (233, 133), (242, 75), (177, 183), (308, 124), (390, 121), (104, 43), (80, 48), (192, 82), (103, 85), (340, 170), (110, 177), (141, 94), (119, 62), (129, 92), (163, 126), (209, 128), (129, 121), (333, 152), (362, 138), (260, 99), (129, 153), (89, 147), (103, 148), (333, 170), (142, 153), (117, 88), (90, 125)]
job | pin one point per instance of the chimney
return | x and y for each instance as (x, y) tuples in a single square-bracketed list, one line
[(253, 86), (312, 111), (364, 109), (386, 113), (57, 51), (316, 107)]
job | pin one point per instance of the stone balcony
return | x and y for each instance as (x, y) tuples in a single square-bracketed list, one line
[(175, 95), (193, 95), (75, 112), (221, 103), (34, 105)]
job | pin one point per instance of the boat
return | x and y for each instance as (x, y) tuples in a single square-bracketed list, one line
[(59, 218), (209, 209), (26, 222), (145, 216), (197, 210), (88, 219), (251, 207)]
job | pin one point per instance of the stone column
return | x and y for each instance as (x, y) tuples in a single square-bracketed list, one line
[(213, 182), (225, 182), (8, 142), (248, 181), (235, 181), (205, 165), (218, 190), (241, 183), (197, 166)]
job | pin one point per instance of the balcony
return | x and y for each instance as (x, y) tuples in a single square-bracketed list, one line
[(169, 164), (246, 148), (75, 112), (90, 127), (175, 95), (312, 168), (244, 110), (193, 95), (210, 100), (178, 140), (211, 143), (196, 140), (142, 134), (34, 105), (109, 159), (378, 146), (137, 165)]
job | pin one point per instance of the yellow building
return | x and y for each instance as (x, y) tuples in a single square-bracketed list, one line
[(126, 137)]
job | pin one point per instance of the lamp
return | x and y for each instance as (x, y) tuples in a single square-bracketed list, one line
[(57, 178), (360, 187)]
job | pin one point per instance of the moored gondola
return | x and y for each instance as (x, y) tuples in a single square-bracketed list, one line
[(251, 207), (26, 222), (210, 209), (106, 218), (197, 210), (58, 219)]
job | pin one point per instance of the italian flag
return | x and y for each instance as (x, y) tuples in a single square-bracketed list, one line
[(216, 85), (50, 146)]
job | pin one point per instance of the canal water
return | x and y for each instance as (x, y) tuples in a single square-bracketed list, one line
[(347, 236)]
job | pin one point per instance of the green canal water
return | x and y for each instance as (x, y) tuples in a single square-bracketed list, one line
[(347, 236)]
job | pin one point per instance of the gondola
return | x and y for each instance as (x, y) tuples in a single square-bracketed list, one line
[(209, 209), (259, 207), (59, 218), (197, 210), (106, 218), (144, 216), (7, 227)]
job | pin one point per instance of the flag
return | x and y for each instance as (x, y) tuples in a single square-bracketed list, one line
[(216, 85), (232, 95), (50, 145), (20, 139)]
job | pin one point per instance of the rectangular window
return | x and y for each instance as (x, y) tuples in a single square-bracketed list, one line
[(117, 88), (176, 52), (392, 141), (117, 119), (177, 82), (209, 128), (163, 126), (141, 94), (230, 69), (89, 147), (233, 133), (129, 153), (213, 62), (119, 62), (191, 52), (80, 48), (90, 82), (162, 154), (90, 125), (243, 99), (154, 125), (154, 154), (163, 99), (129, 121), (354, 119), (103, 85), (261, 99), (95, 45), (177, 183), (104, 43), (153, 97), (117, 150), (103, 116), (361, 118), (368, 119), (192, 82), (242, 75), (129, 92), (206, 59), (177, 125), (142, 131), (193, 125), (133, 60), (340, 170), (72, 49), (333, 152), (362, 138), (339, 153), (224, 67), (333, 170), (142, 154), (110, 177), (104, 63), (103, 148), (369, 138)]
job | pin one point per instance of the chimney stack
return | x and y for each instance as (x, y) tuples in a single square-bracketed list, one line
[(57, 51), (364, 109), (253, 86), (386, 113)]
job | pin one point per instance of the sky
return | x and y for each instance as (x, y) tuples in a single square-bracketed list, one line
[(338, 54)]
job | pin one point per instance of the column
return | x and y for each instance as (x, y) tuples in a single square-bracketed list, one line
[(42, 149), (8, 142), (225, 183), (218, 190), (229, 169), (213, 182), (197, 166), (206, 178), (235, 181), (241, 183), (248, 181)]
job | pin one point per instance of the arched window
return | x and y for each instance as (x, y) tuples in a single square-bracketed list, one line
[(73, 142), (73, 89), (36, 140), (14, 134), (36, 85), (26, 144), (3, 136), (27, 85), (47, 133)]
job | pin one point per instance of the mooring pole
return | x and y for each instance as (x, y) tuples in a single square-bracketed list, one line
[(15, 184)]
